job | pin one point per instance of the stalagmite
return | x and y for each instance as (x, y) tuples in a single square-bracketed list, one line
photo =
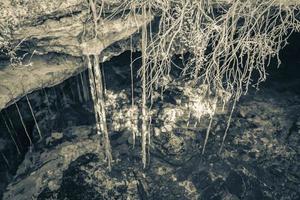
[(11, 136), (23, 124), (33, 115)]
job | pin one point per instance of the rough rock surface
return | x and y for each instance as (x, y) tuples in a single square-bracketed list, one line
[(54, 36)]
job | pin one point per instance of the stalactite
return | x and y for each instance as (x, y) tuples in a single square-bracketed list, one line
[(55, 97), (47, 103), (72, 91), (104, 81), (13, 129), (78, 90), (65, 100), (33, 115), (84, 87), (5, 160), (11, 135), (23, 124)]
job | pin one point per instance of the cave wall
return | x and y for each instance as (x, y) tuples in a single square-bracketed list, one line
[(48, 37)]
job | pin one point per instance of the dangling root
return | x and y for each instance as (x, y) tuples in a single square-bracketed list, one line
[(32, 113), (11, 135), (145, 131), (228, 125), (209, 126), (23, 124), (96, 86), (133, 132), (94, 97), (101, 102), (13, 129)]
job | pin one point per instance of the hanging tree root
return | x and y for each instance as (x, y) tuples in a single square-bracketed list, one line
[(11, 135), (226, 47), (13, 129), (145, 130), (23, 124), (97, 91), (33, 115)]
